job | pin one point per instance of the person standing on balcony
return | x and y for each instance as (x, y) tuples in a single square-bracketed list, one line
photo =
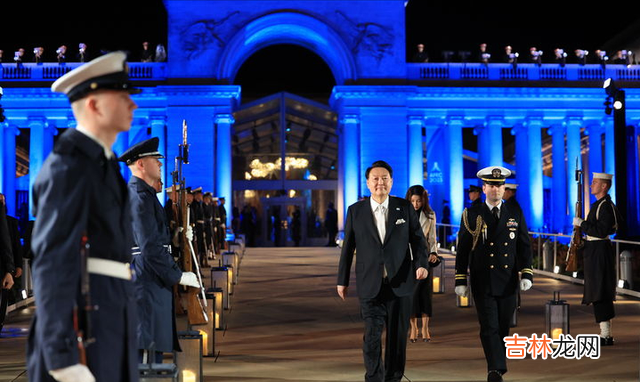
[(420, 55)]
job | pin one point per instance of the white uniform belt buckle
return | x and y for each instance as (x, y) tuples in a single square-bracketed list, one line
[(594, 238), (109, 268), (136, 250)]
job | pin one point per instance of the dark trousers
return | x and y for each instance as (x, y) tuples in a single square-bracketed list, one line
[(494, 314), (603, 311), (390, 311), (156, 357)]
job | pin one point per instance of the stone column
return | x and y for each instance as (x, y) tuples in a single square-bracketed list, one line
[(415, 155), (8, 165), (490, 142), (224, 124), (529, 171), (454, 174), (573, 124), (559, 179), (349, 144), (610, 154), (40, 145), (594, 132)]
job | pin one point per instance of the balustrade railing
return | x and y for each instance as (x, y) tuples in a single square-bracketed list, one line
[(549, 254), (51, 71), (521, 72)]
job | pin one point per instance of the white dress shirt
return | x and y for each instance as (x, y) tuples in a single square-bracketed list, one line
[(491, 207), (380, 214)]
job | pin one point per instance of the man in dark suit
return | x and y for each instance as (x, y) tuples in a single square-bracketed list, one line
[(493, 243), (80, 194), (392, 254), (6, 264), (474, 195)]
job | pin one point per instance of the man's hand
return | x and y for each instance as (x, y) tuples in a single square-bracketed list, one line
[(18, 272), (74, 373), (421, 273), (462, 290), (577, 221), (342, 291), (525, 284), (7, 281)]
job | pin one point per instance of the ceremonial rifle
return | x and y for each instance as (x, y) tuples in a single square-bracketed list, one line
[(577, 242), (196, 307), (81, 315)]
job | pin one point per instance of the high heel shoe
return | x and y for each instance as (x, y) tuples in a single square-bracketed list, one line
[(426, 338), (413, 337)]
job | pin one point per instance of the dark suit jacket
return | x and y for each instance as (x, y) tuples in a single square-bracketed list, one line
[(6, 253), (403, 237), (78, 190), (496, 259)]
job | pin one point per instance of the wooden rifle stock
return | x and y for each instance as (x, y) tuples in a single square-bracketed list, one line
[(577, 242), (195, 311)]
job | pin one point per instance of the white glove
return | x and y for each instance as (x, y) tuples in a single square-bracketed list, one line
[(189, 279), (577, 221), (525, 284), (75, 373), (462, 290), (189, 233)]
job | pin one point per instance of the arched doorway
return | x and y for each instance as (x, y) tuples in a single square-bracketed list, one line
[(284, 148)]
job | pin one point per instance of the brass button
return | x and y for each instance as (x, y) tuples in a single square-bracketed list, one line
[(491, 255), (505, 255), (491, 244), (505, 244), (491, 266), (506, 266)]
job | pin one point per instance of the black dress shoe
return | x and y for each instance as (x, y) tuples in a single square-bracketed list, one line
[(494, 376), (606, 341)]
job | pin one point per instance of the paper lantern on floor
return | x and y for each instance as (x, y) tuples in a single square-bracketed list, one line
[(189, 360), (557, 316), (220, 279)]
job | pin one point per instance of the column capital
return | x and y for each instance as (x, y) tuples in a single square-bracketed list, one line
[(157, 119), (493, 121), (519, 127), (594, 127), (574, 121), (455, 120), (5, 126), (350, 119), (224, 118), (557, 128), (534, 121), (415, 120)]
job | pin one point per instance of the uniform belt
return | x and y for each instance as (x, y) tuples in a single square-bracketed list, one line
[(136, 250), (109, 268), (593, 238)]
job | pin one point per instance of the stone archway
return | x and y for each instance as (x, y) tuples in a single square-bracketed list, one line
[(288, 28)]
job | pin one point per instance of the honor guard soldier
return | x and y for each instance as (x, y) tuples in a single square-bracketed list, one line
[(84, 326), (599, 256), (510, 195), (493, 244), (156, 271), (474, 193)]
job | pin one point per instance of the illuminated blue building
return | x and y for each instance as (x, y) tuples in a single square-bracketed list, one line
[(412, 115)]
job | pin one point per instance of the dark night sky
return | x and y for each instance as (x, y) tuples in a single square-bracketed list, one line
[(440, 25)]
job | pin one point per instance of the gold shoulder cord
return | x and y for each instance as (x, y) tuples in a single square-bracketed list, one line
[(475, 233)]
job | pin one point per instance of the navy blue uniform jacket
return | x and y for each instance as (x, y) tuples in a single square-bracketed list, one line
[(500, 252), (78, 190), (156, 271)]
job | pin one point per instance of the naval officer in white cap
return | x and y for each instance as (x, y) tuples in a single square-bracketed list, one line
[(599, 257), (80, 194), (493, 245)]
